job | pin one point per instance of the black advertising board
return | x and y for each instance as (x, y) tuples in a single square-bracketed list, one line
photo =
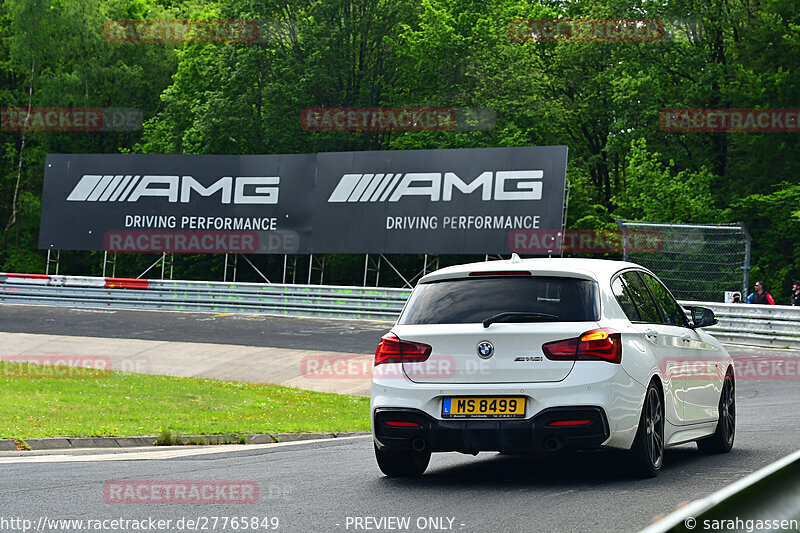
[(457, 201), (178, 203), (412, 201)]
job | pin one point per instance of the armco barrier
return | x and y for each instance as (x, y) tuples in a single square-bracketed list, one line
[(124, 293), (768, 499), (756, 325), (776, 326)]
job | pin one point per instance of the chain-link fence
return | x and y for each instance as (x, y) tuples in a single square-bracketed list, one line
[(698, 262)]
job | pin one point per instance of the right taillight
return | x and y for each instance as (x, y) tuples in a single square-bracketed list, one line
[(393, 350), (595, 345)]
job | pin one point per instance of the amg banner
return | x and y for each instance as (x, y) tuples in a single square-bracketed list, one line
[(437, 201), (414, 201), (251, 204)]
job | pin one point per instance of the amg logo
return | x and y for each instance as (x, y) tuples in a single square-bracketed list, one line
[(437, 187), (97, 188)]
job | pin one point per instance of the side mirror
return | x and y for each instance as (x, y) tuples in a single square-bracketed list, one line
[(702, 317)]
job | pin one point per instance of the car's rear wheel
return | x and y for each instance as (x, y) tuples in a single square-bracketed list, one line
[(722, 439), (402, 463), (647, 453)]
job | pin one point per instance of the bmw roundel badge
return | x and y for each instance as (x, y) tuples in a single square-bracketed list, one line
[(485, 349)]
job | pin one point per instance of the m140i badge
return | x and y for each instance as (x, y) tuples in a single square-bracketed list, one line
[(485, 350), (529, 358)]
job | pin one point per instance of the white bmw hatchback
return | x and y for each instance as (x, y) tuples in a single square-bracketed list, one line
[(547, 355)]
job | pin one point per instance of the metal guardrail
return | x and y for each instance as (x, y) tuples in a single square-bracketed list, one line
[(776, 326), (768, 499), (253, 298), (754, 325)]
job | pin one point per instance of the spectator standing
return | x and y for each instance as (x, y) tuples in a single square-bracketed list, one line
[(760, 296), (794, 299)]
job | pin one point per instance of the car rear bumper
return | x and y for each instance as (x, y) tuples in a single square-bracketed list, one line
[(471, 436)]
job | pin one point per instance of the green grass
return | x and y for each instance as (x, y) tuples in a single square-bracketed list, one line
[(124, 404)]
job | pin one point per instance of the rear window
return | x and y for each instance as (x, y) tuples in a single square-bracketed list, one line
[(464, 301)]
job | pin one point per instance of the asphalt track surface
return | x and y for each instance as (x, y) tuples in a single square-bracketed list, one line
[(316, 486), (336, 335)]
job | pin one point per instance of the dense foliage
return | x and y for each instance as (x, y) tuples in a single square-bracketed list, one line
[(601, 99)]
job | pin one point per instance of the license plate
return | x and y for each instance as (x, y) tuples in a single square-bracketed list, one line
[(483, 407)]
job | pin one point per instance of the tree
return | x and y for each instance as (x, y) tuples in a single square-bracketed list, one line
[(654, 192)]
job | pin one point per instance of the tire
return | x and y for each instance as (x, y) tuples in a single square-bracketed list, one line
[(647, 453), (722, 439), (402, 463)]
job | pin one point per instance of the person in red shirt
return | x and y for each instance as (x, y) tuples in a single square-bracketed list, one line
[(761, 296)]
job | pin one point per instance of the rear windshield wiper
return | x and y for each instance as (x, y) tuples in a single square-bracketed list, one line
[(514, 316)]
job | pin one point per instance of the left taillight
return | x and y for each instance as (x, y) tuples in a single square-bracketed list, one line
[(595, 345), (393, 350)]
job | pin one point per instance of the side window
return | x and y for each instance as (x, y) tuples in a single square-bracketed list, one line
[(641, 298), (622, 293), (672, 311)]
